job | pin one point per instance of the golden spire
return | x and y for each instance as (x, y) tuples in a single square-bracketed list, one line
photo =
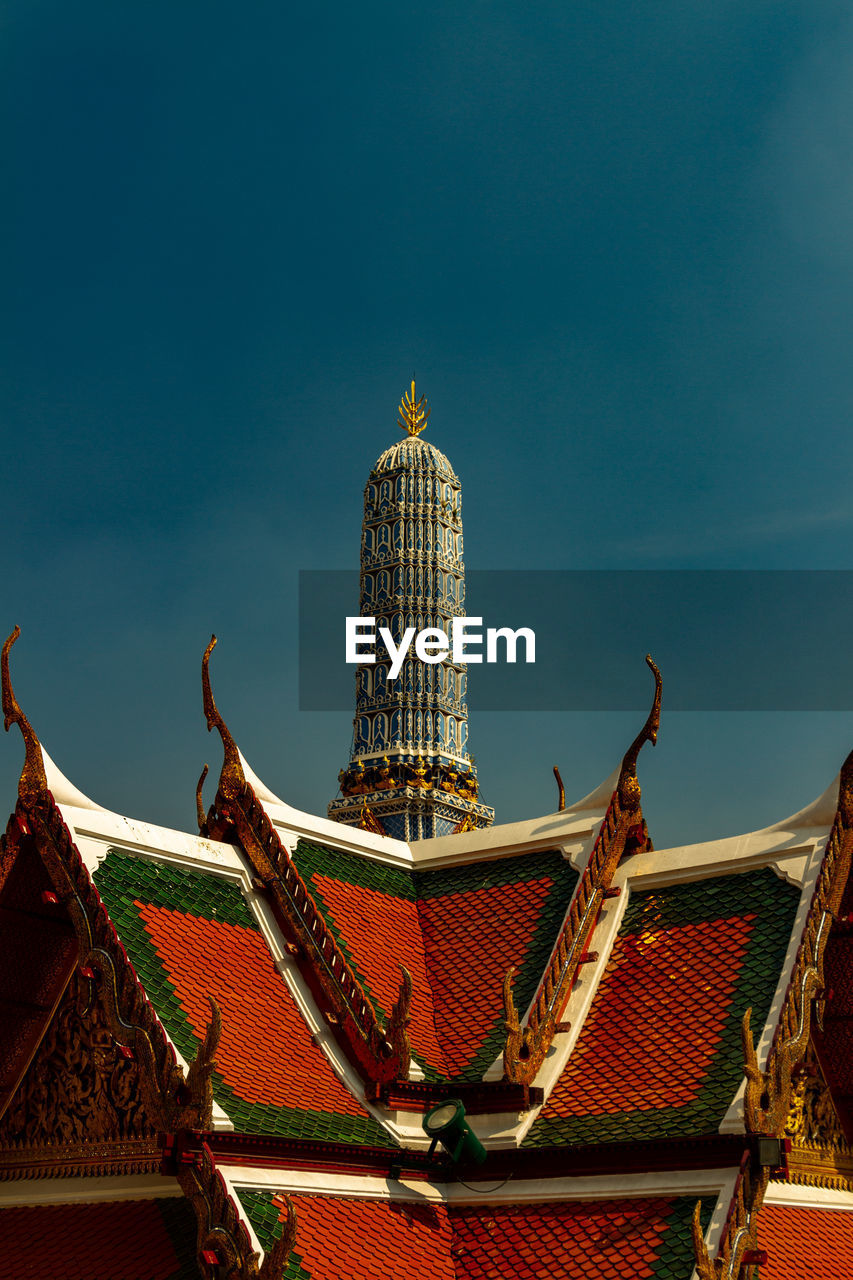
[(413, 412)]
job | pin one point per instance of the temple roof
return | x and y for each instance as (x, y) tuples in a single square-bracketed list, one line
[(621, 1022), (686, 962), (819, 1237), (345, 1236)]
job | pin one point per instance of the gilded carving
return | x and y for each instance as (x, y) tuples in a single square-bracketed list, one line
[(32, 787), (201, 816), (79, 1087), (413, 413), (740, 1234), (812, 1119), (769, 1093), (820, 1155), (396, 1028), (171, 1101), (784, 1099), (368, 821), (231, 779), (561, 791), (623, 827), (222, 1235), (845, 792), (628, 786)]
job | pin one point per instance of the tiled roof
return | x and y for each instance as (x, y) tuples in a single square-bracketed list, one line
[(119, 1240), (339, 1238), (586, 1240), (351, 1239), (457, 931), (365, 921), (190, 935), (659, 1052), (806, 1244)]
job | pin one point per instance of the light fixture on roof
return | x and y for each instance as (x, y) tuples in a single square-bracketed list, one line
[(446, 1123)]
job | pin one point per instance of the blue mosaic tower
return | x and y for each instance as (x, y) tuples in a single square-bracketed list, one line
[(410, 775)]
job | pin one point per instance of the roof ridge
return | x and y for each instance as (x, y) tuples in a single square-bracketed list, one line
[(381, 1053), (439, 1039)]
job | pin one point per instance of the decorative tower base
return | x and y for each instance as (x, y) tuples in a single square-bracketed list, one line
[(409, 799)]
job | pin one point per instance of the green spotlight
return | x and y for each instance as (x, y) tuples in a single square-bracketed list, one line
[(446, 1123)]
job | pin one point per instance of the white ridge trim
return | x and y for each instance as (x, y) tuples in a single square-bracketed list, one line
[(795, 1194)]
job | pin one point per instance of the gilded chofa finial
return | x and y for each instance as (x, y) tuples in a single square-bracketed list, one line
[(413, 413), (33, 784), (629, 787), (232, 776)]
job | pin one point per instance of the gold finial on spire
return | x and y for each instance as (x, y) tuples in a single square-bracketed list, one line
[(413, 413)]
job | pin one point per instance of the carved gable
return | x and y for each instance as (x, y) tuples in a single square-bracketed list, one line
[(79, 1088)]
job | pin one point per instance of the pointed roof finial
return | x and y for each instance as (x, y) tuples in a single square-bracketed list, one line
[(413, 413), (33, 784), (232, 778), (629, 787)]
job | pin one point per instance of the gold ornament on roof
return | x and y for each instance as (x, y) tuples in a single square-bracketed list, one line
[(32, 787), (413, 413)]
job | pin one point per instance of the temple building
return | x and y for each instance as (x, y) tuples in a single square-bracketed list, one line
[(290, 1045)]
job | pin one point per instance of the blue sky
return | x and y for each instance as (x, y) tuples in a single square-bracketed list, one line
[(612, 240)]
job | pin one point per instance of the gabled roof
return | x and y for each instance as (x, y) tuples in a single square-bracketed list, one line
[(660, 1052), (457, 931), (339, 1237), (634, 969), (190, 937)]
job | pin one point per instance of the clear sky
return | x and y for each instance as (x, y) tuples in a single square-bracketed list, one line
[(614, 242)]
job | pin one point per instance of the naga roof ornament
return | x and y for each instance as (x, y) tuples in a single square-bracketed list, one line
[(33, 783), (629, 787), (622, 831)]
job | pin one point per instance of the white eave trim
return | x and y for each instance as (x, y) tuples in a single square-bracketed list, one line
[(718, 1182), (794, 1194), (59, 1190)]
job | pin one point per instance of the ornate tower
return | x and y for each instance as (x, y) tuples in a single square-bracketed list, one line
[(410, 775)]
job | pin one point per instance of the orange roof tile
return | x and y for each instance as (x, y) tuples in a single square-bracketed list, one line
[(341, 1239), (457, 964), (580, 1240), (382, 932), (457, 929), (471, 939), (655, 1021), (806, 1244), (266, 1053), (338, 1238), (660, 1052)]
